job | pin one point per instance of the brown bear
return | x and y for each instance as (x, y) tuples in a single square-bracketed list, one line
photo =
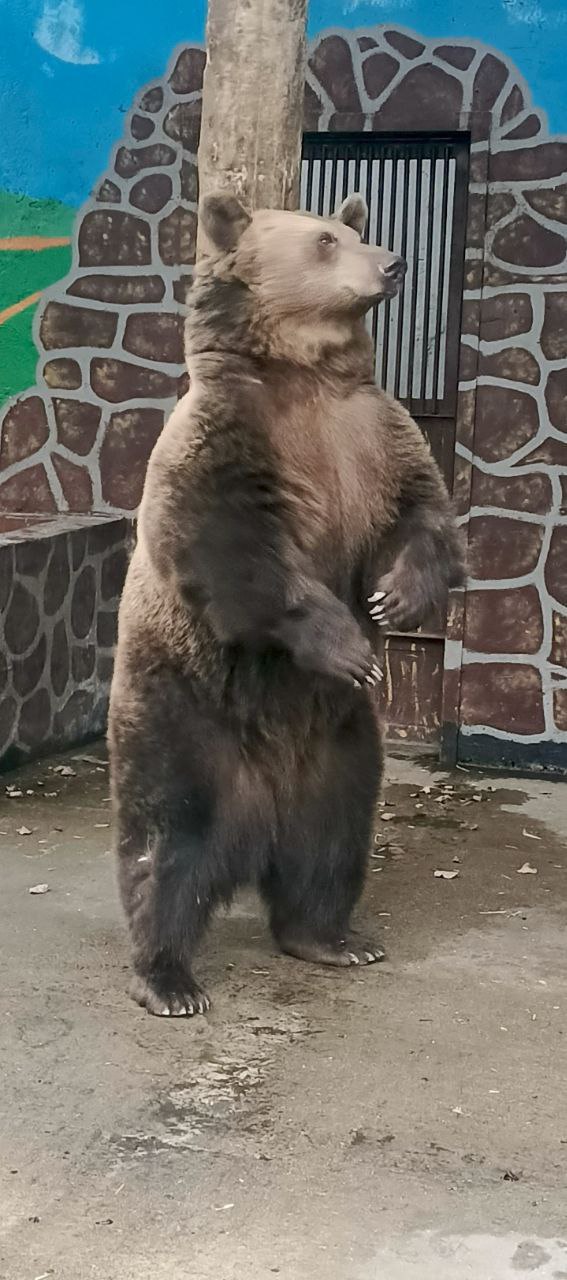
[(290, 508)]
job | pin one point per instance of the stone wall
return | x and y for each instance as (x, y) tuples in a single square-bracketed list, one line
[(111, 357), (60, 584)]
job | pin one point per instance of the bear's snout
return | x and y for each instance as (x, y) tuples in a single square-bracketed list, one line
[(395, 268), (392, 270)]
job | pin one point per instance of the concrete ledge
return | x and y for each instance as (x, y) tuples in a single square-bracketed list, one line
[(60, 585), (485, 751)]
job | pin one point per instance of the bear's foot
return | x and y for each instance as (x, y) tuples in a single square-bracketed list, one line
[(342, 953), (171, 993)]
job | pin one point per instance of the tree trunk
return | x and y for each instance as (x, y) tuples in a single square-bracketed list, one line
[(253, 101)]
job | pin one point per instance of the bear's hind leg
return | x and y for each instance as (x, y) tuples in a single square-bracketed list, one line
[(316, 873), (167, 883)]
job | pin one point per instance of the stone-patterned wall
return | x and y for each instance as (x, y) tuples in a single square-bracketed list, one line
[(110, 338), (60, 584), (512, 476)]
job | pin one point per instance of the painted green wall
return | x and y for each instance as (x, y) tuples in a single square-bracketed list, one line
[(25, 271)]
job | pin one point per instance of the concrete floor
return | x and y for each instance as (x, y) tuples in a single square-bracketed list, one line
[(407, 1122)]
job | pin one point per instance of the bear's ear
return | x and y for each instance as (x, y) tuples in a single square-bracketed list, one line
[(354, 213), (223, 219)]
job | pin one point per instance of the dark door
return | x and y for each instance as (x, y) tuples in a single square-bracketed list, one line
[(416, 190)]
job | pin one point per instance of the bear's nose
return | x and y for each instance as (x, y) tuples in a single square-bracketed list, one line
[(395, 268)]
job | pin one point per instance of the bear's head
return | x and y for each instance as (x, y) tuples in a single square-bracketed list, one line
[(299, 265)]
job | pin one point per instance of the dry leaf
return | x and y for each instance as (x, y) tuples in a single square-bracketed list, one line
[(446, 875), (526, 870), (387, 817), (65, 770), (24, 831), (13, 794), (39, 888), (426, 791), (530, 835), (99, 825)]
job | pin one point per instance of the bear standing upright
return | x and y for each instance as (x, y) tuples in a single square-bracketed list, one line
[(290, 506)]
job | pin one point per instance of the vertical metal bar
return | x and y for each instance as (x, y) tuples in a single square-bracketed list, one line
[(322, 181), (346, 166), (378, 161), (357, 161), (309, 187), (380, 212), (374, 172), (370, 160), (441, 280), (333, 188), (415, 275), (428, 270), (388, 305), (404, 249)]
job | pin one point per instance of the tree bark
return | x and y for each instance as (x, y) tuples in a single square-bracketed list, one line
[(253, 101)]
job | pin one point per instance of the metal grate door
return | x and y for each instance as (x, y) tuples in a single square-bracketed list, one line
[(416, 189)]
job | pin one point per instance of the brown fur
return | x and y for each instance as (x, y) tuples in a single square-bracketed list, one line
[(284, 490)]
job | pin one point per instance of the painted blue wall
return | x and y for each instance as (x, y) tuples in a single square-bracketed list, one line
[(69, 68)]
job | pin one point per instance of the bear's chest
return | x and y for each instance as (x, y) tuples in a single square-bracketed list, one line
[(330, 457)]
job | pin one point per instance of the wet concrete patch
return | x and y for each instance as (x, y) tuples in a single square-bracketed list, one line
[(431, 1256)]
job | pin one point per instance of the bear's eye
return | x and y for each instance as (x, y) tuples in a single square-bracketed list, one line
[(327, 238)]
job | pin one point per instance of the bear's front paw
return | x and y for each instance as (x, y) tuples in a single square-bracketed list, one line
[(398, 605), (337, 649)]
